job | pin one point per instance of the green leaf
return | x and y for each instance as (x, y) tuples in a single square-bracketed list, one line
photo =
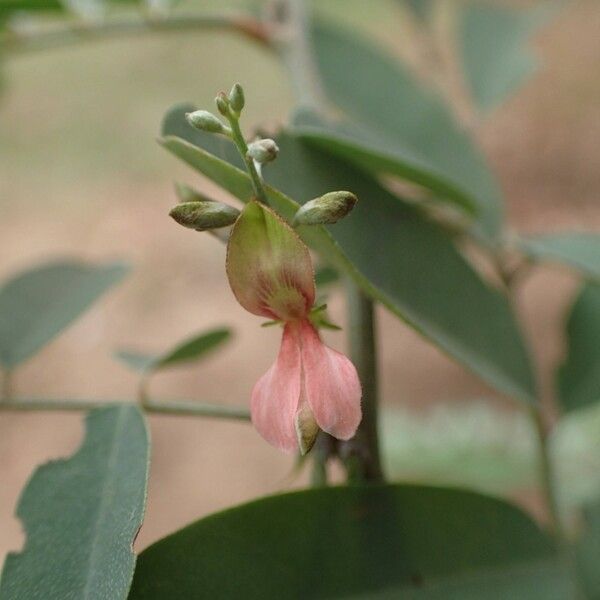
[(578, 250), (82, 514), (579, 376), (355, 542), (38, 304), (325, 276), (398, 126), (394, 254), (493, 45), (189, 350), (588, 552)]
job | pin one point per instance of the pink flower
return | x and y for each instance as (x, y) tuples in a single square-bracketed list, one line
[(310, 386)]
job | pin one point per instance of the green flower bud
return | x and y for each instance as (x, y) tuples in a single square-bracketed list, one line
[(204, 215), (222, 104), (187, 194), (263, 151), (236, 98), (325, 210), (202, 119)]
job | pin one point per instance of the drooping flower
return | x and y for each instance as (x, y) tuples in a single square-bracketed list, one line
[(310, 386)]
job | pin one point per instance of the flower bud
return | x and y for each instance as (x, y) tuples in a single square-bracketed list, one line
[(187, 194), (325, 210), (263, 151), (306, 428), (202, 119), (236, 98), (204, 215), (222, 104)]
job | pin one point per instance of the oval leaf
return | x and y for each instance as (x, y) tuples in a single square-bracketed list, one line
[(397, 541), (82, 514), (38, 304)]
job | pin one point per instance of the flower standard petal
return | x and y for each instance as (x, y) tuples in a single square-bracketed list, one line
[(276, 394), (269, 266), (331, 385)]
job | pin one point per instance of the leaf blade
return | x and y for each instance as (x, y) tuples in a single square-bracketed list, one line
[(353, 541), (82, 514), (36, 305)]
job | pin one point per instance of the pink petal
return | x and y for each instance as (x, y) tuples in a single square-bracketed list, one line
[(276, 395), (331, 386), (269, 266)]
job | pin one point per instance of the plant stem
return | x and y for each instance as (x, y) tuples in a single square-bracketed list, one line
[(70, 34), (240, 142), (166, 407), (362, 454)]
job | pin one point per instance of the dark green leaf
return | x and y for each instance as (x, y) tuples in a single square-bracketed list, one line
[(395, 255), (357, 542), (186, 351), (82, 514), (578, 250), (579, 376), (38, 304), (398, 126), (588, 552), (326, 276), (493, 46)]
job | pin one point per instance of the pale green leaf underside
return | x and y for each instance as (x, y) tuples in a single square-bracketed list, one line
[(38, 304), (356, 542), (81, 515)]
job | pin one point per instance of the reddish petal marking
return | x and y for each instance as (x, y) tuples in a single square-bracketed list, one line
[(331, 385), (276, 395)]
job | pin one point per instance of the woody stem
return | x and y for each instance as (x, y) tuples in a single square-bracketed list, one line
[(361, 455)]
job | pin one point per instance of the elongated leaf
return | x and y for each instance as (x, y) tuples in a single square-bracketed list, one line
[(494, 49), (398, 126), (38, 304), (187, 351), (578, 250), (81, 515), (579, 376), (390, 541), (394, 254)]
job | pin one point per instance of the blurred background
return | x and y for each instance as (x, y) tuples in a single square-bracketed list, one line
[(81, 175)]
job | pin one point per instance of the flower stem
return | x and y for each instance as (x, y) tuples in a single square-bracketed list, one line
[(166, 407), (75, 33), (238, 139), (361, 455)]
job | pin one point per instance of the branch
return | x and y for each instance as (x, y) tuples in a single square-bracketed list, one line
[(70, 34), (166, 407)]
